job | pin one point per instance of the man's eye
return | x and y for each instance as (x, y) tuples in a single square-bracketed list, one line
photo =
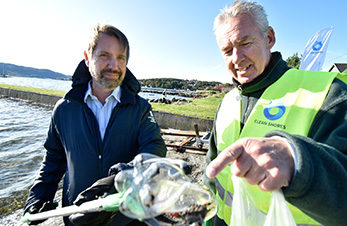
[(228, 52), (121, 58), (103, 55), (246, 44)]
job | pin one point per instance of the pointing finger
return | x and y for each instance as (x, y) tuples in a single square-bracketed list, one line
[(227, 156)]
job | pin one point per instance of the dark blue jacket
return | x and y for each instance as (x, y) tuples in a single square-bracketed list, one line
[(74, 145)]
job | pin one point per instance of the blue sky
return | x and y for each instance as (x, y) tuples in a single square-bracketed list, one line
[(168, 38)]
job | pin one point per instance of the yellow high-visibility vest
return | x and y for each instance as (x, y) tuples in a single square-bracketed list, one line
[(290, 104)]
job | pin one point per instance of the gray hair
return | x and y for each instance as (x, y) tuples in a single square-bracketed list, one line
[(240, 7)]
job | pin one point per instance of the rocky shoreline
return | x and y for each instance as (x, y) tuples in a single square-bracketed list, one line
[(170, 101), (174, 92)]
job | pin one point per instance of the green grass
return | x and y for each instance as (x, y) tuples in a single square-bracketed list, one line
[(34, 90), (202, 108)]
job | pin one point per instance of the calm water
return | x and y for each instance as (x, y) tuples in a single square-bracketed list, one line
[(52, 84), (23, 129)]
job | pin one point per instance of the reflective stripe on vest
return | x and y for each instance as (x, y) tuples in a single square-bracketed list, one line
[(290, 105)]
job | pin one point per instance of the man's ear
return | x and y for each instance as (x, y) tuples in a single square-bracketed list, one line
[(86, 59), (271, 37)]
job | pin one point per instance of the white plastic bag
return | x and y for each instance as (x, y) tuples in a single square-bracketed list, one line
[(246, 213)]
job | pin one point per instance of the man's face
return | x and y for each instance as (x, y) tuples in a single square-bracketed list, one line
[(107, 65), (245, 50)]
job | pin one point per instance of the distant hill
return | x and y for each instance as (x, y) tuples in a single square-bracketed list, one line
[(12, 69)]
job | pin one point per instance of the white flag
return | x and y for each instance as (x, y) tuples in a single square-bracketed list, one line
[(315, 50)]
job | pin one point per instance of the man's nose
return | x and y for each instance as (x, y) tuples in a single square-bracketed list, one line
[(237, 56), (113, 63)]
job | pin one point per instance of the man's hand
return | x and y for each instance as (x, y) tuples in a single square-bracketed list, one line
[(266, 162), (38, 208), (99, 189)]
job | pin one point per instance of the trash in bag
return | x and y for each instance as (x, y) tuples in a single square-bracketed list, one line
[(157, 191)]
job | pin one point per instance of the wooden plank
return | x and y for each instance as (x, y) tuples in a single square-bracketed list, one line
[(178, 134), (183, 145), (186, 141), (181, 133)]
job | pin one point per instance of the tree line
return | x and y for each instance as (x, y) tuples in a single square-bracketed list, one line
[(183, 84)]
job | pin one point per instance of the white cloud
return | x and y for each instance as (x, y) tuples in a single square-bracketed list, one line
[(216, 67)]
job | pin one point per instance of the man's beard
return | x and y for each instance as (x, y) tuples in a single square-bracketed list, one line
[(110, 83)]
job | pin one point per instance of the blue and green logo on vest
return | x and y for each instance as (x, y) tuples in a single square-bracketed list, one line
[(274, 111)]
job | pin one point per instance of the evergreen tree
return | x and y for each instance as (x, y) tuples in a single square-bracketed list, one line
[(294, 61)]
